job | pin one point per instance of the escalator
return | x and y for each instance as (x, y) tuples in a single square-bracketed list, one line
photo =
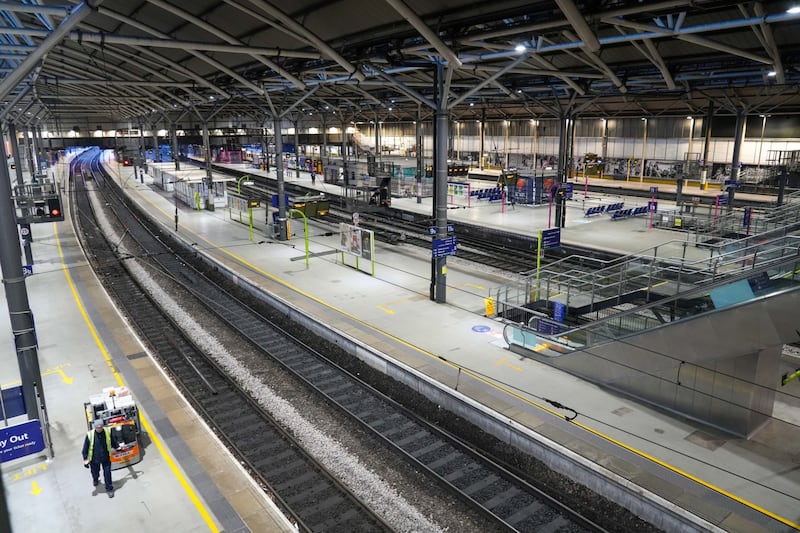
[(697, 330)]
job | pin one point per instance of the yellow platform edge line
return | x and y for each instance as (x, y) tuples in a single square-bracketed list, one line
[(167, 458), (490, 383)]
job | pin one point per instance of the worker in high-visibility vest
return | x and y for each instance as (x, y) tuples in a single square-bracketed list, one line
[(97, 448)]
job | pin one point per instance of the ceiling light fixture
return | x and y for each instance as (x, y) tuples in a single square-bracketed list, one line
[(519, 48), (793, 10), (771, 74)]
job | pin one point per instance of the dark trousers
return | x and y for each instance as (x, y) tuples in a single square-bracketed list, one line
[(106, 473)]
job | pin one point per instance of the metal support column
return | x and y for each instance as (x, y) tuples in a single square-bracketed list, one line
[(12, 137), (175, 153), (604, 149), (482, 134), (156, 151), (377, 139), (440, 183), (19, 310), (563, 147), (323, 156), (345, 170), (28, 151), (37, 149), (209, 177), (297, 146), (142, 150), (737, 148), (282, 233), (26, 241), (420, 154), (265, 147), (706, 144)]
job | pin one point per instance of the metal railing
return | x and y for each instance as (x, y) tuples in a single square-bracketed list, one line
[(770, 273), (589, 286)]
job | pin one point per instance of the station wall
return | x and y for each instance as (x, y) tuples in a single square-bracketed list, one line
[(667, 138)]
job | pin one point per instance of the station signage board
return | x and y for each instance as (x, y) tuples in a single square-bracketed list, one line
[(433, 230), (444, 247), (20, 440), (551, 238)]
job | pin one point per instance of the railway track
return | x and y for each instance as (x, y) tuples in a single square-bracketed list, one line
[(512, 257), (318, 501), (503, 497)]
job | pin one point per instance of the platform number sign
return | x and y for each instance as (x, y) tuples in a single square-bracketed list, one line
[(25, 231), (27, 270)]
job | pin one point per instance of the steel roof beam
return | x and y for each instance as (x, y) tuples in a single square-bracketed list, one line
[(200, 23), (770, 45), (423, 29), (143, 63), (576, 20), (300, 30), (687, 33), (183, 70), (166, 39), (594, 57), (523, 56), (402, 87), (167, 42), (77, 14), (115, 82)]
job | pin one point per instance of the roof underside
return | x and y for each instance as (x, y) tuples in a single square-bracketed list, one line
[(162, 60)]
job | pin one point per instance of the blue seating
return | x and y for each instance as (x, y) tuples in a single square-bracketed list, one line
[(491, 194), (630, 212), (595, 210), (615, 207)]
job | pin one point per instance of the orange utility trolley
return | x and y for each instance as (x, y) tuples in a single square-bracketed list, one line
[(116, 407)]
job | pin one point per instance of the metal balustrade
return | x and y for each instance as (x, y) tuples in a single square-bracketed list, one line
[(599, 290)]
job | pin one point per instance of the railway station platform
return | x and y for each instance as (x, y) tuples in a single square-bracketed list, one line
[(730, 483), (186, 480), (727, 483)]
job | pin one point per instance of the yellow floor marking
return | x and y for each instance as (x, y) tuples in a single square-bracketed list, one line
[(383, 307), (58, 370), (35, 489), (479, 287), (503, 361), (479, 377), (153, 437), (48, 372)]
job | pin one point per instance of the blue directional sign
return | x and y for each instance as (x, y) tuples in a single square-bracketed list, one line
[(653, 190), (13, 402), (433, 230), (559, 311), (551, 238), (27, 270), (652, 206), (548, 327), (568, 190), (275, 200), (20, 440), (722, 199), (444, 247)]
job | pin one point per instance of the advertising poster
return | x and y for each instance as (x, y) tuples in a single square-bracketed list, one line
[(354, 242), (366, 244)]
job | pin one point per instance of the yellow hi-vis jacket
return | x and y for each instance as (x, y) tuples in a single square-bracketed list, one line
[(90, 436)]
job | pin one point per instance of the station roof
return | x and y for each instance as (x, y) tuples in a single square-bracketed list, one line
[(164, 61)]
